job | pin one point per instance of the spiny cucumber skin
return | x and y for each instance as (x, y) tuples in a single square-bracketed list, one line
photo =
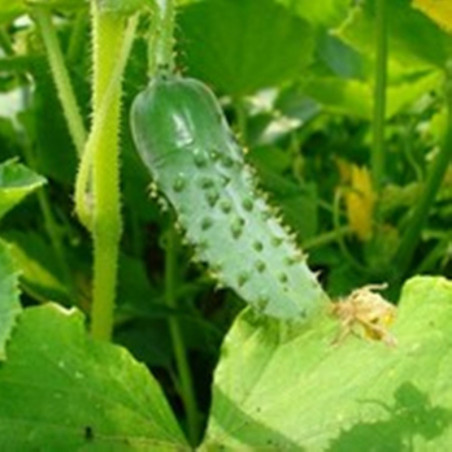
[(183, 138)]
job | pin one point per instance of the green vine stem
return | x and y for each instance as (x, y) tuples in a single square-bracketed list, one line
[(161, 38), (183, 368), (61, 77), (103, 149), (434, 179), (326, 238), (83, 189), (378, 149), (77, 37), (50, 223)]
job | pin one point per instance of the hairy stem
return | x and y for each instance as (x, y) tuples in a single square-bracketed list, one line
[(183, 368), (378, 149), (61, 77), (108, 38), (161, 38), (83, 190)]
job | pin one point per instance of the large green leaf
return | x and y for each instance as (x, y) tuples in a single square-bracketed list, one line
[(9, 297), (241, 46), (281, 388), (16, 182), (62, 391)]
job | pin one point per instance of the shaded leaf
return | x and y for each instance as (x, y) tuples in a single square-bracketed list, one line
[(288, 388), (241, 46), (82, 394)]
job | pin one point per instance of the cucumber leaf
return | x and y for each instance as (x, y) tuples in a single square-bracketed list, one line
[(241, 46), (61, 390), (279, 388)]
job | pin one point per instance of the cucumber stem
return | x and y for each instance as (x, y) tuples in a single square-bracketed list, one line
[(108, 45), (77, 38), (61, 77), (161, 38), (180, 352)]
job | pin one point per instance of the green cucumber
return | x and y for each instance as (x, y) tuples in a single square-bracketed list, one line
[(182, 137)]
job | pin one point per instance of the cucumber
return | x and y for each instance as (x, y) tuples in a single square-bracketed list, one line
[(182, 137)]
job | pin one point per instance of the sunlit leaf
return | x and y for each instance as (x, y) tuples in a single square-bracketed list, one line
[(282, 388)]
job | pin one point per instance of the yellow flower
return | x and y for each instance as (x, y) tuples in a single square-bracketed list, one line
[(359, 201), (439, 11)]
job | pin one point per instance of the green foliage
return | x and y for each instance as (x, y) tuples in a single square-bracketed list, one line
[(241, 46), (83, 394), (284, 388), (354, 97)]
